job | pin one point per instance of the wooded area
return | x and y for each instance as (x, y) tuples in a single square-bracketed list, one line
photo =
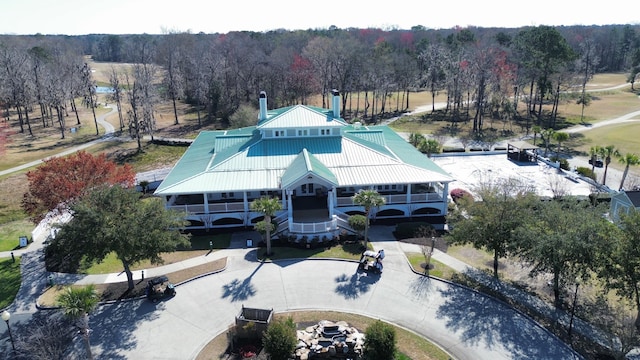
[(485, 72)]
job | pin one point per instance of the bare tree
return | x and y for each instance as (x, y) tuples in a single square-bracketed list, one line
[(319, 52), (432, 60), (90, 93), (171, 54), (558, 186), (15, 64), (49, 337), (134, 113), (116, 93), (586, 66)]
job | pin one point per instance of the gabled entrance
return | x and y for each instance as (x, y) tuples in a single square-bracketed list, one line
[(309, 185), (310, 208)]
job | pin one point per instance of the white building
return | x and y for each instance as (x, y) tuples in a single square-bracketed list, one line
[(311, 159)]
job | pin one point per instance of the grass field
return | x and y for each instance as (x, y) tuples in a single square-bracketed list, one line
[(618, 134)]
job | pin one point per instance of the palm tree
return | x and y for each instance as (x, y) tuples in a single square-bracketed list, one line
[(369, 199), (77, 303), (415, 139), (560, 137), (268, 206), (593, 152), (546, 135), (429, 146), (628, 160), (536, 130), (606, 153)]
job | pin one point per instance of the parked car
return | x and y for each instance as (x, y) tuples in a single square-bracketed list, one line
[(599, 163), (159, 288)]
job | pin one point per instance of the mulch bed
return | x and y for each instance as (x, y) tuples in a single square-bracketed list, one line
[(441, 243), (120, 290)]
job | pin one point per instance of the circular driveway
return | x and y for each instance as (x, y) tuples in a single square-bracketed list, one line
[(466, 324)]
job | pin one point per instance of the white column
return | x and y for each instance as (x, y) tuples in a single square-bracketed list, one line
[(289, 206), (245, 204), (206, 203), (445, 199), (408, 193), (330, 197)]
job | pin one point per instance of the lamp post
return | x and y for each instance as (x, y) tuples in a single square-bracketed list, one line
[(433, 245), (6, 316), (573, 312)]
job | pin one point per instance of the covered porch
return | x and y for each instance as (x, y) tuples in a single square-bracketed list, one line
[(522, 151)]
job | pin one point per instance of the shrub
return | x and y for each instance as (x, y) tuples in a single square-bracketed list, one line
[(380, 341), (458, 194), (280, 339), (358, 222), (586, 172), (564, 164)]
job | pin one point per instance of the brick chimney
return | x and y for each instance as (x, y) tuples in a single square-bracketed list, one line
[(336, 103), (263, 106)]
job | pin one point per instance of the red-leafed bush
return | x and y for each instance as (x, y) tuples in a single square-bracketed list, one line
[(459, 194), (61, 180)]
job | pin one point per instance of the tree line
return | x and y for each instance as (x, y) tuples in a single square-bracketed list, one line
[(485, 72)]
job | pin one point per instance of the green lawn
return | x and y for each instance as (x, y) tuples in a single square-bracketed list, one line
[(198, 244), (438, 269), (350, 251), (10, 275), (10, 234), (623, 136)]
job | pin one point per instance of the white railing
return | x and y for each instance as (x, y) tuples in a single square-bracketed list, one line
[(226, 207), (397, 199), (426, 197), (345, 201), (213, 208), (312, 228), (191, 209)]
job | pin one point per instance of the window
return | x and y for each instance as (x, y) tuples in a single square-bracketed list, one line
[(278, 133), (325, 131), (304, 132)]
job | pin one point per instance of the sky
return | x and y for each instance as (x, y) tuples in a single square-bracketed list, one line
[(80, 17)]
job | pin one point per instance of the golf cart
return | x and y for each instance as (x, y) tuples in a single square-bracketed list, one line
[(159, 288), (371, 261)]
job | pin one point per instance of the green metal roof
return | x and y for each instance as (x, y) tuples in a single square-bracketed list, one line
[(300, 116), (237, 160), (303, 165)]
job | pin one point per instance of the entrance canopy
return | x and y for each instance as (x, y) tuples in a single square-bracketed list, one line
[(522, 151)]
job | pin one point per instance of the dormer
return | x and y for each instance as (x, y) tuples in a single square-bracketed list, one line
[(300, 120)]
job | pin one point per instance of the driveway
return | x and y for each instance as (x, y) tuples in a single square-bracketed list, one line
[(466, 324)]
